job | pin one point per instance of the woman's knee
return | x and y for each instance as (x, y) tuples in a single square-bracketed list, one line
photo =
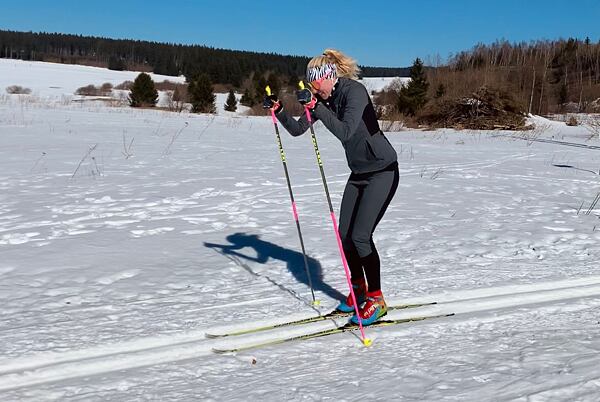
[(363, 245)]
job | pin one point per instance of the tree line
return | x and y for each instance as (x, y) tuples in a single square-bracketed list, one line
[(229, 67), (543, 76)]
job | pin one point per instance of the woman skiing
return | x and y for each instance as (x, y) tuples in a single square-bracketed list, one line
[(345, 108)]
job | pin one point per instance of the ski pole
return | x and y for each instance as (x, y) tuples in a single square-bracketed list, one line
[(294, 210), (366, 341)]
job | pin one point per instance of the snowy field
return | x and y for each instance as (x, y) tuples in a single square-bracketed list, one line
[(380, 83), (127, 235), (52, 81), (58, 83)]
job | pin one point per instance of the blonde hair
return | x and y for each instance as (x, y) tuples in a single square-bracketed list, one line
[(345, 66)]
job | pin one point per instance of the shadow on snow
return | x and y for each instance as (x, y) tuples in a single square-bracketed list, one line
[(265, 250)]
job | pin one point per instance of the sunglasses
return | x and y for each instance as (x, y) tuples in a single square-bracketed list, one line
[(316, 84)]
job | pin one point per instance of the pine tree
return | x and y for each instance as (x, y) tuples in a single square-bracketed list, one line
[(231, 103), (143, 92), (440, 91), (293, 82), (247, 99), (413, 96), (201, 95), (259, 87), (274, 82)]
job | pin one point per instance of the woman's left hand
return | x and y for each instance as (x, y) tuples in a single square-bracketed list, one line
[(306, 98)]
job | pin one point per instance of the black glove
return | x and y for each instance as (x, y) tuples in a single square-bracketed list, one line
[(306, 98), (272, 102)]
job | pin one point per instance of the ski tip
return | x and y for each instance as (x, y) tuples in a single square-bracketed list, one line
[(224, 351), (213, 336), (367, 342), (316, 303)]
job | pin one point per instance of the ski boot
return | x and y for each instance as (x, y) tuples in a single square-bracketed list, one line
[(372, 310), (360, 291)]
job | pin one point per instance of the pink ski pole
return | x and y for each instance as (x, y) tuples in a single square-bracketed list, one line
[(366, 341)]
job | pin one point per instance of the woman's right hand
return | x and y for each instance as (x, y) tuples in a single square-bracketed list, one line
[(272, 102)]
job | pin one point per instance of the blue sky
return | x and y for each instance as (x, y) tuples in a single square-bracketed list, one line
[(376, 33)]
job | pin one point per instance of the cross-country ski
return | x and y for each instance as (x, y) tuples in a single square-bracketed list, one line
[(344, 328), (331, 315)]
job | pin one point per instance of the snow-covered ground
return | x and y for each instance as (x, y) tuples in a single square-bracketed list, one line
[(126, 235), (380, 83), (52, 80), (58, 83)]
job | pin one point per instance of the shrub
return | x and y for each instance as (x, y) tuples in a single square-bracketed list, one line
[(125, 85), (486, 109), (166, 85), (91, 90), (88, 90), (176, 98), (116, 63), (17, 90), (106, 89), (572, 121)]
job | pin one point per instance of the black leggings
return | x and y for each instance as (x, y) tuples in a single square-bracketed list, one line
[(366, 198)]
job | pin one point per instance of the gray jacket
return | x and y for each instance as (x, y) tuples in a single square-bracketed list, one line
[(349, 114)]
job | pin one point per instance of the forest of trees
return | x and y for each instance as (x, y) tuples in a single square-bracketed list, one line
[(543, 76), (540, 77), (230, 67)]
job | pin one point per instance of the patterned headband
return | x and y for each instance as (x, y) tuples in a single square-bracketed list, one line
[(328, 70)]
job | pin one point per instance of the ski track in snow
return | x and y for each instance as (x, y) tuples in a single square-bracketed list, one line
[(52, 367), (113, 267)]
